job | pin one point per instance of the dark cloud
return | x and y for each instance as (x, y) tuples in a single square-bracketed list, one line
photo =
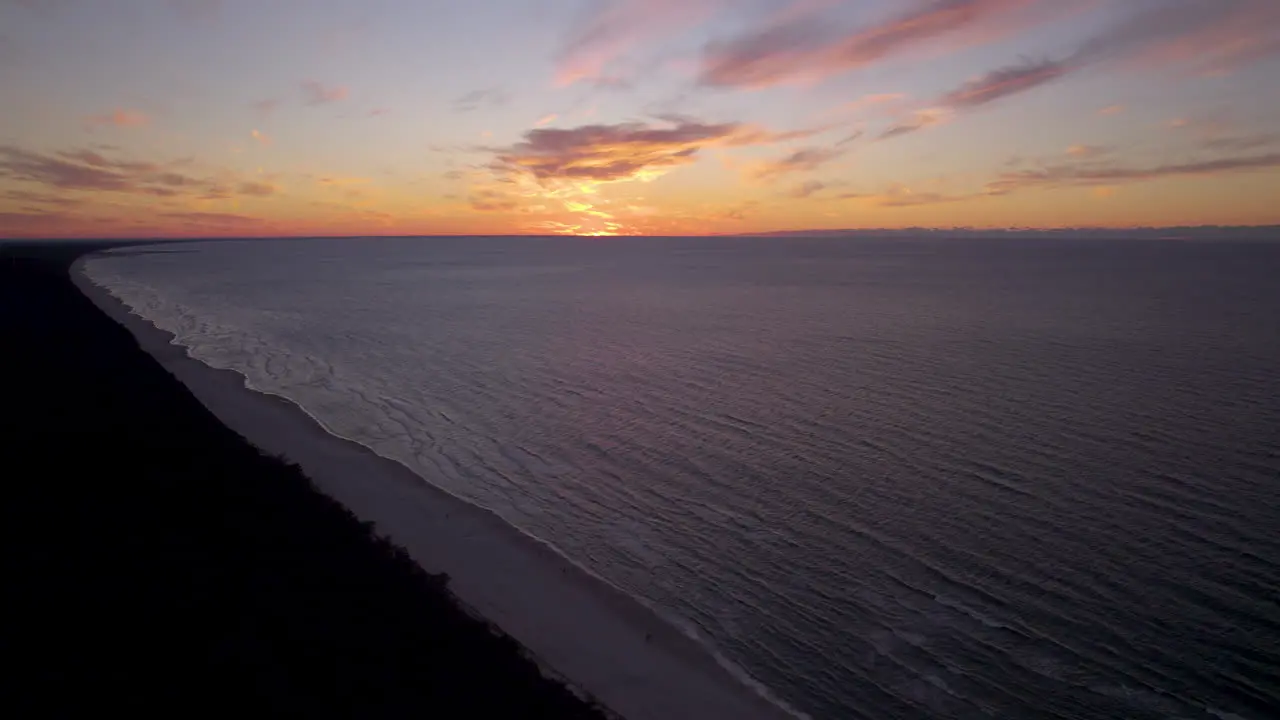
[(41, 198), (850, 138), (64, 173), (1070, 174), (605, 153), (1217, 36), (1003, 83), (93, 171), (919, 121), (808, 48), (803, 160), (256, 189)]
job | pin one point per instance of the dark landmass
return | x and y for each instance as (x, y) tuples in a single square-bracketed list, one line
[(1198, 232), (156, 562)]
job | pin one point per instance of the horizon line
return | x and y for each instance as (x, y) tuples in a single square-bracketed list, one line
[(811, 232)]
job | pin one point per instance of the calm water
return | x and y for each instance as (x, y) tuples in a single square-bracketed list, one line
[(890, 479)]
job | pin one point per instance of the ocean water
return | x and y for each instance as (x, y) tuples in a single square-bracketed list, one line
[(889, 479)]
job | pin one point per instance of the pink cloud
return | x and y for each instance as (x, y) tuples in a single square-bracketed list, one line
[(118, 118), (625, 151), (800, 161), (1210, 37), (315, 93), (616, 27), (1003, 83), (806, 48)]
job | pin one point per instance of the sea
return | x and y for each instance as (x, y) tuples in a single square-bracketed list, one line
[(886, 478)]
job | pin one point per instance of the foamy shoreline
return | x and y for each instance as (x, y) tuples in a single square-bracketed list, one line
[(579, 627)]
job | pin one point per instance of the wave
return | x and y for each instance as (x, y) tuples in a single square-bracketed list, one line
[(188, 329)]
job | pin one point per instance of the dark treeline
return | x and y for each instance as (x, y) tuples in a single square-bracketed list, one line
[(157, 562)]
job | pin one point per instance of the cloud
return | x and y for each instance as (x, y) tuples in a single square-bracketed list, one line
[(626, 151), (118, 118), (1089, 174), (1086, 151), (92, 171), (41, 198), (803, 160), (492, 97), (256, 189), (807, 189), (1241, 143), (316, 93), (805, 48), (81, 170), (613, 28), (1217, 36), (996, 85), (852, 137), (214, 218), (1112, 110), (547, 119), (378, 112), (1003, 83), (919, 120), (261, 137)]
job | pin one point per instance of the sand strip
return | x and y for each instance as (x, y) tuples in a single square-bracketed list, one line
[(576, 625)]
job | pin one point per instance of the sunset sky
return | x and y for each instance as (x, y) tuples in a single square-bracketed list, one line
[(373, 117)]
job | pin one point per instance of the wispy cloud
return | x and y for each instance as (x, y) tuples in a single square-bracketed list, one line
[(92, 171), (256, 189), (41, 198), (1089, 174), (1004, 82), (216, 219), (807, 189), (317, 93), (493, 201), (1112, 110), (1086, 151), (919, 120), (806, 48), (626, 151), (260, 137), (546, 119), (118, 118), (799, 161), (476, 99), (613, 28), (1209, 36)]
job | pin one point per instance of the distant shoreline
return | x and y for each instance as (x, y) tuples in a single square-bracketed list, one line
[(1247, 233)]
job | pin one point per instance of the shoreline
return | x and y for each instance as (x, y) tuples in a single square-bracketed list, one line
[(576, 626)]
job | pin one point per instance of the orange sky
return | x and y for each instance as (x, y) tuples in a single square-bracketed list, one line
[(181, 118)]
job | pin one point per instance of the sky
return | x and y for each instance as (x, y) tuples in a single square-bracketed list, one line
[(189, 118)]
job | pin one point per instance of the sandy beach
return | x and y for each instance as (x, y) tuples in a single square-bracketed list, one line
[(577, 626)]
